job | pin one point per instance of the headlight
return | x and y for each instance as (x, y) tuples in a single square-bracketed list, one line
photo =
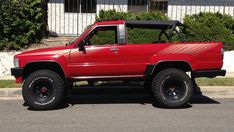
[(16, 62)]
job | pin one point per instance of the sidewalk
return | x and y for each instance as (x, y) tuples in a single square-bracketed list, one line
[(10, 93), (210, 91), (218, 91)]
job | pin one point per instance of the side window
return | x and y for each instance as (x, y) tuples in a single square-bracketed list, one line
[(143, 36), (102, 36), (149, 36)]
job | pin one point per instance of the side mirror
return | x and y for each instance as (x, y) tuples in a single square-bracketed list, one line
[(82, 46)]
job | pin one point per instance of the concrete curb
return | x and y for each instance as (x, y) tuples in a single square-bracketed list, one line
[(210, 91), (10, 93), (218, 91)]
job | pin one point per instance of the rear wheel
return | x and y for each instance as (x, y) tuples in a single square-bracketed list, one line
[(43, 90), (172, 88)]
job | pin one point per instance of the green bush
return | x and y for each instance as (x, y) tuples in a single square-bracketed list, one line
[(22, 22), (152, 16), (134, 35), (114, 15), (210, 27)]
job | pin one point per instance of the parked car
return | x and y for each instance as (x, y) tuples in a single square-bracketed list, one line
[(167, 66)]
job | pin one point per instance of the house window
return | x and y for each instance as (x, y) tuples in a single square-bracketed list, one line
[(158, 5), (80, 6), (138, 6)]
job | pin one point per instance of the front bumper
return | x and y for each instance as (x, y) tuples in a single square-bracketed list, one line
[(16, 72), (208, 73)]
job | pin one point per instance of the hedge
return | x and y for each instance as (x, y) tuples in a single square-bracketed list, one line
[(114, 15), (210, 27), (22, 22)]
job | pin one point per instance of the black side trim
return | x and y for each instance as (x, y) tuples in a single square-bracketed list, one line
[(208, 73), (121, 77), (149, 69), (16, 72)]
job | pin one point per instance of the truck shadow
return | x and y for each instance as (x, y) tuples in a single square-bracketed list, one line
[(118, 94)]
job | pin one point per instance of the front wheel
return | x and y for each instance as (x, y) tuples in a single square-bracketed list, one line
[(43, 90), (172, 88)]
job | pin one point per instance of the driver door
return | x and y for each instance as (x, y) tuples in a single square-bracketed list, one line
[(102, 55)]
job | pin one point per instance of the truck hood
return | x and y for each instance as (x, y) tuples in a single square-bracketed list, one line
[(45, 51)]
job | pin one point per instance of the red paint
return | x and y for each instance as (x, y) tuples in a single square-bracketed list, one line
[(18, 79), (129, 59)]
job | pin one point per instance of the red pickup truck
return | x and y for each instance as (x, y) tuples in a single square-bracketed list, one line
[(167, 66)]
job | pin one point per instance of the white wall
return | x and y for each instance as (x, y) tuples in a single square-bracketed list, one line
[(67, 23), (6, 63), (63, 23), (228, 61), (177, 9)]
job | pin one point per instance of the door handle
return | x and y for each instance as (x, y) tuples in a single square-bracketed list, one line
[(114, 49)]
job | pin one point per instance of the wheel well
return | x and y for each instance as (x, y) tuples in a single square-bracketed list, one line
[(34, 66), (182, 65)]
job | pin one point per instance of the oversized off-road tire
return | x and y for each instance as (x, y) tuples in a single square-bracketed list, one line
[(172, 88), (43, 90)]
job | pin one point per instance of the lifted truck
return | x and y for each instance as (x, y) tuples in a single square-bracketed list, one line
[(168, 68)]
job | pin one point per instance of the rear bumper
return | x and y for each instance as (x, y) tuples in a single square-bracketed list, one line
[(208, 73), (16, 72)]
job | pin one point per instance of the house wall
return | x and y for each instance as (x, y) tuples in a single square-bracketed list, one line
[(70, 24), (177, 9)]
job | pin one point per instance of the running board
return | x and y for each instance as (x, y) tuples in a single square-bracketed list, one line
[(121, 77)]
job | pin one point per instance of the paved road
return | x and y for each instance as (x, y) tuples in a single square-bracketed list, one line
[(110, 110)]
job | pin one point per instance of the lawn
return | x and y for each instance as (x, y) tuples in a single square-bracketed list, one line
[(200, 81), (9, 84), (224, 81)]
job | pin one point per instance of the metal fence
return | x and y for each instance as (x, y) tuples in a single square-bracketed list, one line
[(71, 17)]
